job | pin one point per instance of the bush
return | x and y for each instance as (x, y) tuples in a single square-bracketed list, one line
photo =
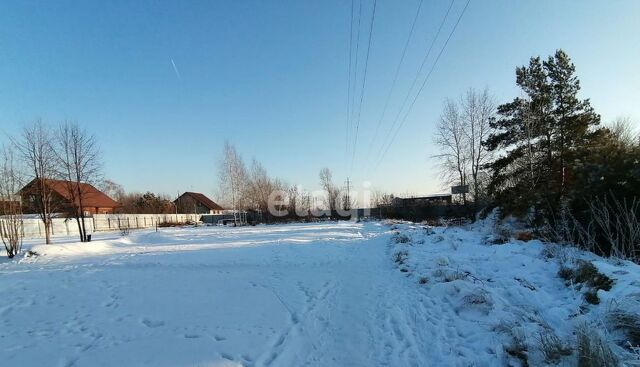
[(586, 273)]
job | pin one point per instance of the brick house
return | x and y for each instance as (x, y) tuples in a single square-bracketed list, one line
[(94, 201)]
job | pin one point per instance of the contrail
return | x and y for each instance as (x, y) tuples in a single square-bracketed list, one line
[(175, 68)]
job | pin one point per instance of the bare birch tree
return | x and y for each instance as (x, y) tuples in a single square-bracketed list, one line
[(623, 129), (454, 154), (332, 192), (293, 195), (380, 198), (477, 109), (79, 162), (303, 204), (233, 178), (11, 222), (37, 151), (259, 187), (112, 189)]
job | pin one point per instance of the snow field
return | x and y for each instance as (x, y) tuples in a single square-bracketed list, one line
[(322, 294)]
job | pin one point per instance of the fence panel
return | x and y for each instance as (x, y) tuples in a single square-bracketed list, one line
[(34, 228)]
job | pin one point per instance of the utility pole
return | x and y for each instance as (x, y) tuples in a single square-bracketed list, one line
[(347, 205)]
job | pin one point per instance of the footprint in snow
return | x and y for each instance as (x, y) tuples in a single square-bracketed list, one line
[(226, 356), (151, 323)]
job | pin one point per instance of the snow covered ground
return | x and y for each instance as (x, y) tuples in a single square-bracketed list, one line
[(323, 294)]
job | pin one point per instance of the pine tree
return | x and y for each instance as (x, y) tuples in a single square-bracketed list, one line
[(522, 133), (540, 136), (572, 118)]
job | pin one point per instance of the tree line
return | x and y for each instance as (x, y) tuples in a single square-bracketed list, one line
[(545, 157), (251, 189)]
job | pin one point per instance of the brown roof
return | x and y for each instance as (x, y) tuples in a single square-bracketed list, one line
[(91, 197), (210, 204)]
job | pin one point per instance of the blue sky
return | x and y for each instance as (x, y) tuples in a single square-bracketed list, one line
[(271, 77)]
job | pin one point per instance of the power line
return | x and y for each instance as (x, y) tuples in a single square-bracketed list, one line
[(349, 77), (417, 76), (355, 68), (424, 83), (364, 81), (395, 77)]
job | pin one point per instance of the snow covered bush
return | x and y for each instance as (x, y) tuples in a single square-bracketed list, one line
[(401, 238)]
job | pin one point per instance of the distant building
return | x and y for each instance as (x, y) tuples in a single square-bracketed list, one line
[(436, 199), (196, 203), (9, 207), (93, 200)]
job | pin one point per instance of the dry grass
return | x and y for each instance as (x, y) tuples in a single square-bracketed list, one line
[(401, 257), (518, 347), (479, 298), (552, 347), (593, 350), (401, 238), (626, 322)]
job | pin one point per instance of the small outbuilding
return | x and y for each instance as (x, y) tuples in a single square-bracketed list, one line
[(435, 199)]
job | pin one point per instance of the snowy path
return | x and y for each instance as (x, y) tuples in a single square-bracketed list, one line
[(297, 295)]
